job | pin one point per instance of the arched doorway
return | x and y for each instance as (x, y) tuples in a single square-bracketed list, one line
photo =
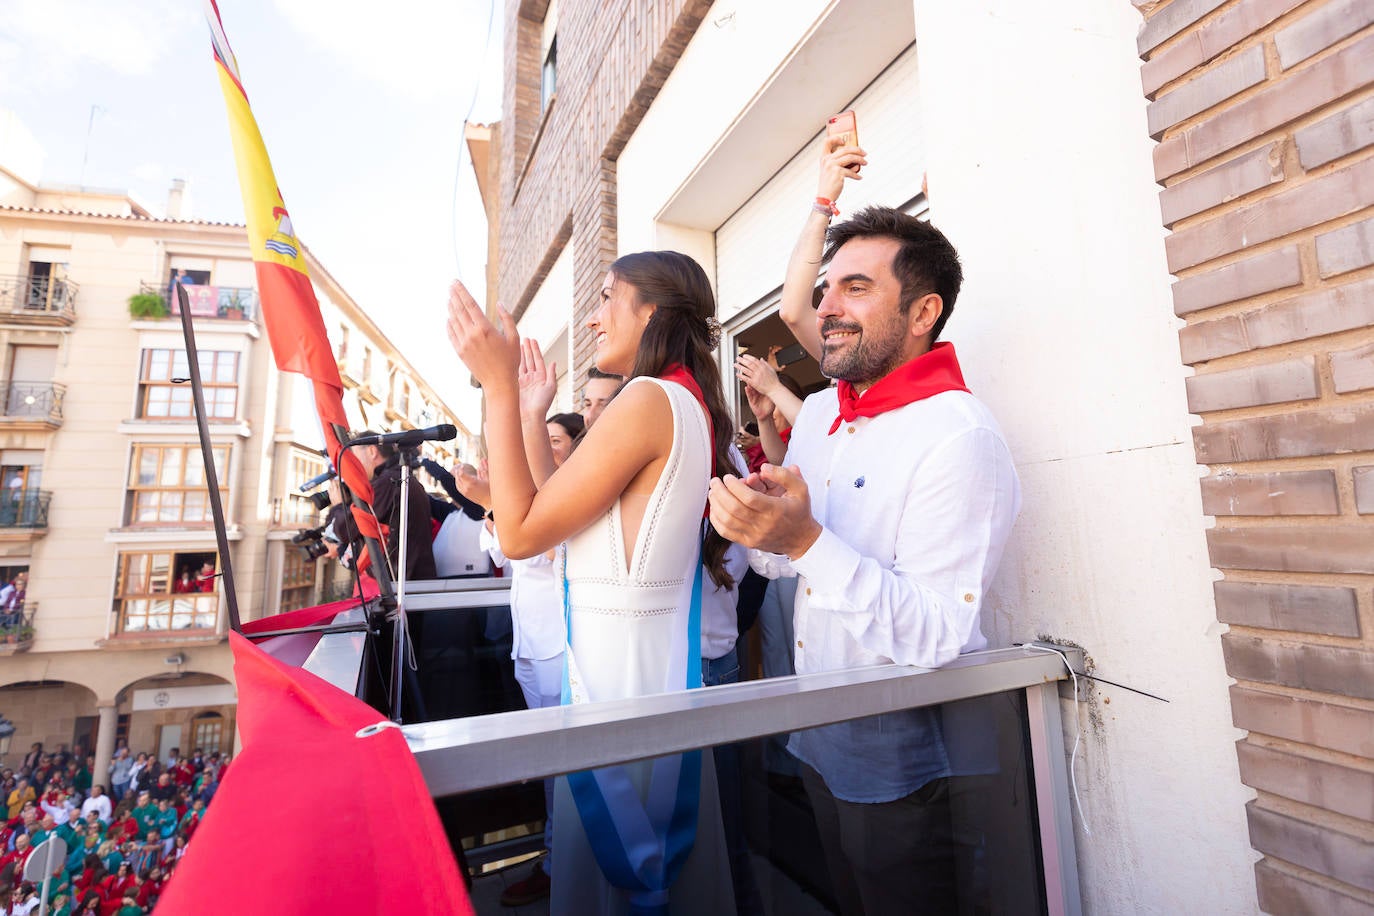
[(181, 712), (59, 715)]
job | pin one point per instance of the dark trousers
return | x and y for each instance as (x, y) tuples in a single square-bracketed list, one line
[(891, 859)]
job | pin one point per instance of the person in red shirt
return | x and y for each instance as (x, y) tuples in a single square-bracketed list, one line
[(151, 888), (19, 855), (184, 773), (205, 581)]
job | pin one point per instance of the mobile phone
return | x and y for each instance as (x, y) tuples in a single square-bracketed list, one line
[(844, 125), (789, 355)]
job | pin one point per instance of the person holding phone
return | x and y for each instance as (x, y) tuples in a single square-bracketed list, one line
[(894, 509)]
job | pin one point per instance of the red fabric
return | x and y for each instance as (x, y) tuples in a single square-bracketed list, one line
[(931, 373), (384, 850), (308, 616)]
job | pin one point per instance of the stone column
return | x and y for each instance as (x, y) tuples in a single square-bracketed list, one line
[(104, 744)]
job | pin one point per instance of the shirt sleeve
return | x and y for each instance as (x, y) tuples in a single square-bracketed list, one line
[(770, 565), (955, 519)]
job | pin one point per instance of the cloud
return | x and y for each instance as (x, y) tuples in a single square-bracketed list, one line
[(425, 49), (46, 42)]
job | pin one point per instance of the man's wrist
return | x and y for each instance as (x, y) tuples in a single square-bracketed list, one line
[(805, 539)]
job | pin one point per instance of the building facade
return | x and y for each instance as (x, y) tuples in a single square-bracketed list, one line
[(1078, 154), (123, 629)]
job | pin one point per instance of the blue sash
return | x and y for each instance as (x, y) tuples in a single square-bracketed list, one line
[(642, 847)]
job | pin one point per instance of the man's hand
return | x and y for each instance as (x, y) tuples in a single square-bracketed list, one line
[(770, 510), (538, 382), (473, 484), (760, 405)]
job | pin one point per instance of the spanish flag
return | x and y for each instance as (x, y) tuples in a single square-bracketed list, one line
[(290, 311)]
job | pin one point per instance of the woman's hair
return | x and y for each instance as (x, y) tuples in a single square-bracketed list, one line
[(572, 423), (678, 333)]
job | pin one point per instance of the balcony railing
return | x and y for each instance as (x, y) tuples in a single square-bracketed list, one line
[(236, 303), (16, 627), (37, 400), (38, 297), (24, 508)]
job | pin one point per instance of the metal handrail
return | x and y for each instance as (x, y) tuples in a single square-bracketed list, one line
[(34, 399), (243, 298), (29, 295), (24, 508), (464, 755)]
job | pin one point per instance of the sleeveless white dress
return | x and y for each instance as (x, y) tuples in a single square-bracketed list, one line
[(629, 639)]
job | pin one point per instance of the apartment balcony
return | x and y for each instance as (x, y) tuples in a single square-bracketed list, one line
[(24, 514), (230, 303), (16, 628), (32, 406), (49, 301)]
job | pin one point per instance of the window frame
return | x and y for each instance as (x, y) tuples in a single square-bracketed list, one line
[(196, 605), (190, 458), (155, 361)]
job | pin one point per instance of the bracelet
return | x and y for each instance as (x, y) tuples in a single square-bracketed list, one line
[(827, 206)]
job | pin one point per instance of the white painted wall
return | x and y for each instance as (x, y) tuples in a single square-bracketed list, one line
[(1039, 171)]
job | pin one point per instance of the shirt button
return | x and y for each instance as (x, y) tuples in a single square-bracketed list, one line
[(808, 591), (851, 430), (799, 644), (968, 597)]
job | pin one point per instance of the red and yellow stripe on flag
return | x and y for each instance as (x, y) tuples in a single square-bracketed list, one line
[(290, 310)]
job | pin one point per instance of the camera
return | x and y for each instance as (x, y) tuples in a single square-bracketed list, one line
[(320, 499), (311, 543)]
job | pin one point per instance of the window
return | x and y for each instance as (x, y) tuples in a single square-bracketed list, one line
[(207, 732), (167, 591), (48, 289), (159, 397), (298, 510), (367, 366), (548, 55), (297, 580), (167, 484), (343, 343)]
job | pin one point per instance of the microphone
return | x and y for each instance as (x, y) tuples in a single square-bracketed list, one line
[(318, 479), (410, 437)]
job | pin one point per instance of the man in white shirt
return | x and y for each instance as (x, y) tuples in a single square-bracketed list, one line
[(99, 802), (894, 510)]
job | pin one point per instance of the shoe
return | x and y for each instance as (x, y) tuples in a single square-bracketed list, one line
[(535, 887)]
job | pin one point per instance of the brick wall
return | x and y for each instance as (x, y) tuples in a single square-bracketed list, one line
[(558, 167), (1264, 113)]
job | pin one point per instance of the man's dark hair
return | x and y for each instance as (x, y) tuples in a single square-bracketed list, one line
[(594, 372), (925, 263)]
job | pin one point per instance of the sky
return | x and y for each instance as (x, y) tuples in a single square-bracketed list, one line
[(361, 105)]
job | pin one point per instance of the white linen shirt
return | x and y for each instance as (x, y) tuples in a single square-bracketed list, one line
[(916, 506), (536, 600)]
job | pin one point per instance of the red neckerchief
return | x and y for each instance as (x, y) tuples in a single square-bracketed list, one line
[(678, 373), (932, 372)]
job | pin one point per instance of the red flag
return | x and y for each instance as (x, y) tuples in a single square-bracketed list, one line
[(312, 818)]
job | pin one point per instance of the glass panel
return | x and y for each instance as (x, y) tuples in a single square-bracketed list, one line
[(222, 461), (181, 402), (160, 575), (928, 811), (135, 575), (181, 367), (171, 507), (159, 614), (171, 467), (195, 469), (227, 368), (158, 402), (145, 507), (197, 507), (146, 471)]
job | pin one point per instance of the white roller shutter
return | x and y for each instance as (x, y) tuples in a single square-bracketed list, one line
[(753, 245)]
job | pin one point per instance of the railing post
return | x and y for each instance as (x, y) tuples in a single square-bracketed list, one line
[(1058, 853)]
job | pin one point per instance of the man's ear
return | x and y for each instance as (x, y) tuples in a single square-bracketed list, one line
[(923, 314)]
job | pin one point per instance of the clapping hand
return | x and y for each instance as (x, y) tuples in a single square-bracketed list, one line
[(491, 354), (757, 374), (538, 382)]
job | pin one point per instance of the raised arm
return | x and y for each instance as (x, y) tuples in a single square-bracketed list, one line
[(623, 455), (795, 308), (538, 387)]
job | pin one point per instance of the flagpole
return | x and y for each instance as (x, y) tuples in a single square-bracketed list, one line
[(207, 453)]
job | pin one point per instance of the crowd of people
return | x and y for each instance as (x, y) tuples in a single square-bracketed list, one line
[(122, 844)]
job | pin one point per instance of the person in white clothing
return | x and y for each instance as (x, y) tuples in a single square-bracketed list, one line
[(894, 509), (630, 504), (99, 802)]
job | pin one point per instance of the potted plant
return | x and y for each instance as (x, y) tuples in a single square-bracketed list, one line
[(26, 633), (147, 305)]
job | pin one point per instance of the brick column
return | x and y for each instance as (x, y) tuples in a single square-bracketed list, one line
[(1265, 122)]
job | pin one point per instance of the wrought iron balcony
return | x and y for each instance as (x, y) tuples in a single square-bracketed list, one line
[(24, 508), (16, 627), (235, 303), (40, 401), (38, 300)]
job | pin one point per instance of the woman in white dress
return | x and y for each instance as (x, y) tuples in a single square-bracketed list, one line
[(629, 503)]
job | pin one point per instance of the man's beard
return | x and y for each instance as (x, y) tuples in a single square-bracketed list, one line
[(876, 352)]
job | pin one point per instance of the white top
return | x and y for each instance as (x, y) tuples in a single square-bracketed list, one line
[(457, 547), (629, 623), (536, 601), (101, 805), (917, 504)]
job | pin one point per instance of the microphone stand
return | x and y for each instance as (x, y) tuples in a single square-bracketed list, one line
[(400, 630)]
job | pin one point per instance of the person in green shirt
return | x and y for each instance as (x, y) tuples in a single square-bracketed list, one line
[(81, 782), (130, 907), (166, 824), (145, 814)]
